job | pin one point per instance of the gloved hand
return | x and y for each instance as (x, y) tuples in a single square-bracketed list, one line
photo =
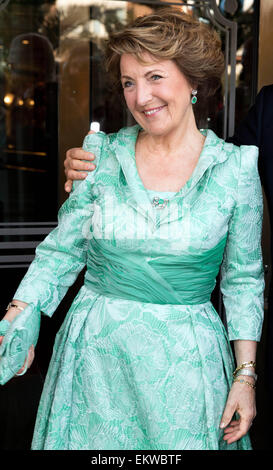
[(19, 336)]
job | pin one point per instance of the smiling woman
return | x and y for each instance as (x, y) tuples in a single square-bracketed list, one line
[(192, 45), (157, 94), (160, 64), (142, 360), (159, 97)]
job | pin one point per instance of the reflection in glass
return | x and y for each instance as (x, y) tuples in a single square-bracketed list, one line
[(28, 142)]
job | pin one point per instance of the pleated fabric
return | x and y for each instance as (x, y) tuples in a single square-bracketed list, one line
[(129, 375)]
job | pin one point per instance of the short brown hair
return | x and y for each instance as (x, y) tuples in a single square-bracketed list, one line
[(171, 34)]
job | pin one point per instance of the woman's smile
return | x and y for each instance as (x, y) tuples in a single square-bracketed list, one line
[(152, 111)]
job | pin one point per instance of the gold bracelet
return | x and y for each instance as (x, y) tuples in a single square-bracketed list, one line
[(244, 365), (242, 381), (11, 304)]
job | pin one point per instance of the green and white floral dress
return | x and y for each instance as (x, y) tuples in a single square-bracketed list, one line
[(142, 360)]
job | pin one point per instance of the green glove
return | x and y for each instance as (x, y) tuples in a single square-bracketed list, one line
[(19, 335)]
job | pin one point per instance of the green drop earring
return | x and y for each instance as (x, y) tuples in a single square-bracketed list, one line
[(194, 97)]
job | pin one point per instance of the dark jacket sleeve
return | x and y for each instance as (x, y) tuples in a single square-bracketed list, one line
[(257, 129), (249, 131)]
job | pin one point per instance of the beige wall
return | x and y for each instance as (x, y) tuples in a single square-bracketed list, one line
[(265, 64), (265, 77)]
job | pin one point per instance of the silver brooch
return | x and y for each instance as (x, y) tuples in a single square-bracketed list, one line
[(159, 203)]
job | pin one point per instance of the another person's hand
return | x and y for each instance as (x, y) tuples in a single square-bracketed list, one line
[(75, 167), (241, 399)]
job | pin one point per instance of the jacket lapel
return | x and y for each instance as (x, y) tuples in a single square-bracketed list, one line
[(213, 152), (129, 180), (123, 145)]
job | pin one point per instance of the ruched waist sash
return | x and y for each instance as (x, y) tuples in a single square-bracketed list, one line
[(168, 279)]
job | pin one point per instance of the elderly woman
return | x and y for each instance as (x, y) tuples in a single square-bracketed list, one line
[(142, 360)]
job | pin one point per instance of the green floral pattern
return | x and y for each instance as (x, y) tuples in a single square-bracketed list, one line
[(129, 374)]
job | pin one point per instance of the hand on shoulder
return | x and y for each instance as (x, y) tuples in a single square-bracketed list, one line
[(76, 164)]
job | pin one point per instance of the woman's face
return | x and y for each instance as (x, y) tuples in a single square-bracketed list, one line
[(157, 93)]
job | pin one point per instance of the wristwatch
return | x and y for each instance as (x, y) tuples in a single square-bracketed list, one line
[(11, 304)]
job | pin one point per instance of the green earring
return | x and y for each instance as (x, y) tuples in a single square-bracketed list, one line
[(194, 97)]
